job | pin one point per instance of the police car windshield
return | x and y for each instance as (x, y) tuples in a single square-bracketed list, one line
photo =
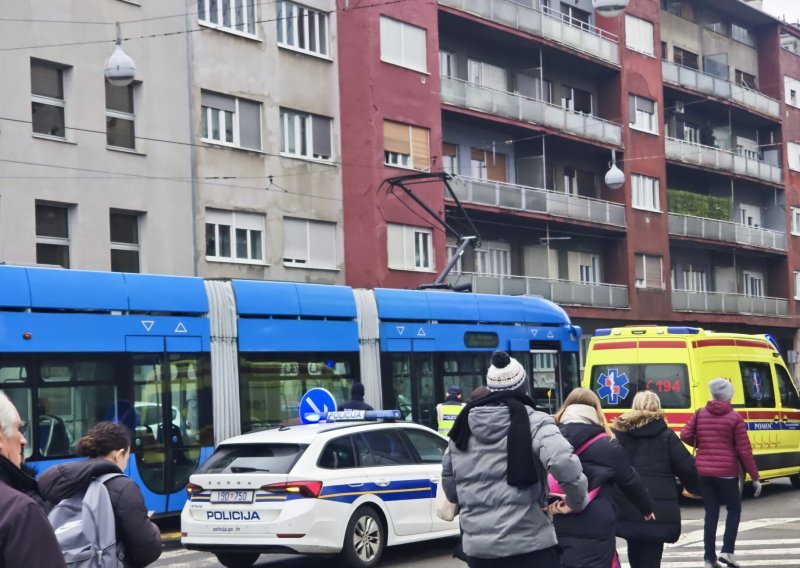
[(253, 458)]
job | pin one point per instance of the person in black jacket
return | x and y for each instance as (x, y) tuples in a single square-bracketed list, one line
[(588, 538), (659, 456), (26, 537), (356, 401), (108, 445)]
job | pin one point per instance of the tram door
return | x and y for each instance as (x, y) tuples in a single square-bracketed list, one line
[(167, 438), (408, 380), (545, 380)]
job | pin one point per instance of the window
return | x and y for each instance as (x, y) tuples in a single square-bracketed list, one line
[(664, 51), (757, 385), (305, 135), (786, 388), (670, 381), (642, 114), (47, 98), (745, 79), (583, 267), (406, 146), (120, 118), (685, 58), (338, 454), (792, 88), (575, 16), (577, 100), (450, 158), (382, 448), (694, 279), (648, 271), (493, 258), (796, 285), (742, 34), (691, 133), (429, 446), (234, 236), (488, 166), (645, 193), (487, 75), (447, 64), (52, 234), (753, 284), (229, 15), (452, 248), (230, 121), (236, 458), (793, 152), (750, 215), (403, 44), (302, 28), (409, 247), (638, 35), (309, 244), (124, 229), (795, 221)]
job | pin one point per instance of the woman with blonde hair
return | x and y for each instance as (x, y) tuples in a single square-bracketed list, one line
[(659, 457), (588, 538)]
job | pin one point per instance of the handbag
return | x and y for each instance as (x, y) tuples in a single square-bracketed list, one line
[(552, 482), (445, 510)]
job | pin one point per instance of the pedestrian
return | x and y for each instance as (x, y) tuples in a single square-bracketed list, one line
[(108, 447), (659, 457), (588, 538), (448, 411), (719, 435), (494, 470), (356, 401), (26, 537)]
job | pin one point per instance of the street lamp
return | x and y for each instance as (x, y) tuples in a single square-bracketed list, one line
[(615, 178), (609, 8), (120, 69)]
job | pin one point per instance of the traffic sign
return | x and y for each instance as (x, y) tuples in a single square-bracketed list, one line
[(315, 404)]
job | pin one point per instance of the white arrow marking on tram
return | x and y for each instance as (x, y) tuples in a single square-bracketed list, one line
[(148, 325)]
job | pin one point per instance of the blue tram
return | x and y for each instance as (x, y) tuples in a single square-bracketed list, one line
[(184, 362)]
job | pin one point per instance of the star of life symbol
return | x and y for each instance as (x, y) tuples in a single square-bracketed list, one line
[(613, 386)]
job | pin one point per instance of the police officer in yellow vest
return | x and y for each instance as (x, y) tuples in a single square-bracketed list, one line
[(447, 411)]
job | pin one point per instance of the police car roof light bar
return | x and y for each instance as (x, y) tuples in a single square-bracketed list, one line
[(363, 416)]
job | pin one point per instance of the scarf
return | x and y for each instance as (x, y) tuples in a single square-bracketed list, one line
[(580, 414), (522, 468)]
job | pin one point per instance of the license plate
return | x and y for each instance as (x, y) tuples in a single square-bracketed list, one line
[(231, 496)]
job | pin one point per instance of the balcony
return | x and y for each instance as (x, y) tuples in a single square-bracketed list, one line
[(517, 107), (534, 200), (723, 303), (564, 292), (547, 23), (724, 160), (718, 87), (726, 231)]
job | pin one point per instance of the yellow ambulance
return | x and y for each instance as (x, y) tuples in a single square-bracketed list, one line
[(677, 363)]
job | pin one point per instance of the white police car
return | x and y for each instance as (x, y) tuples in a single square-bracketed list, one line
[(343, 487)]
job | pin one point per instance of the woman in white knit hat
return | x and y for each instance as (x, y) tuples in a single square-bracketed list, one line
[(493, 469)]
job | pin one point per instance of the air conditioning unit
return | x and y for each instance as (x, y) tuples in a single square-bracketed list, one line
[(679, 107)]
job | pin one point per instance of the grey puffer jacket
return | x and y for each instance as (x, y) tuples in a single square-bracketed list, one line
[(498, 520)]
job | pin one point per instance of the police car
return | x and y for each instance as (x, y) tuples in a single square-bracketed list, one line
[(347, 487)]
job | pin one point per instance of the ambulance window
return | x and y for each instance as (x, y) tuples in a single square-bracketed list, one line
[(757, 385), (786, 388), (669, 381), (616, 385)]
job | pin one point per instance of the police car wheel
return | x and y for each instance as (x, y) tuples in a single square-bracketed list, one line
[(364, 539), (795, 479), (240, 560)]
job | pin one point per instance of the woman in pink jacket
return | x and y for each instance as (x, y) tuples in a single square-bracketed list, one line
[(720, 437)]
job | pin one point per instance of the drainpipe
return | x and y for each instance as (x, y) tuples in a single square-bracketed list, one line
[(192, 148)]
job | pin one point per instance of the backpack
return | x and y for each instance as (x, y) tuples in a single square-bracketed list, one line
[(555, 488), (85, 528)]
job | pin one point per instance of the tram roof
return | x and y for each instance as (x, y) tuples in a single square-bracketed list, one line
[(260, 298)]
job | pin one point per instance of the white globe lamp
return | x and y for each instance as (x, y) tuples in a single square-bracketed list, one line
[(120, 70), (609, 8), (615, 177)]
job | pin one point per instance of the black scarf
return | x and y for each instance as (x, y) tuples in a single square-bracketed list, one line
[(19, 479), (522, 469)]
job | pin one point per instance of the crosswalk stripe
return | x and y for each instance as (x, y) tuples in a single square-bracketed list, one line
[(744, 543), (750, 563), (739, 552)]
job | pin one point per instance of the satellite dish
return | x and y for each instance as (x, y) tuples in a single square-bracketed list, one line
[(609, 8)]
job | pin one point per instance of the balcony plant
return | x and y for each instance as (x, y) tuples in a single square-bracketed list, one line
[(706, 206)]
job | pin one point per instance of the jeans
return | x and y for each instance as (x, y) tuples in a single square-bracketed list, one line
[(547, 558), (718, 491), (645, 553)]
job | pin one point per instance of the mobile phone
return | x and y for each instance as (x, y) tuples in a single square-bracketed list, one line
[(554, 499)]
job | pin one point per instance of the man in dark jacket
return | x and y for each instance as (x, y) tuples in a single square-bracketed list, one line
[(356, 401), (26, 537), (720, 436)]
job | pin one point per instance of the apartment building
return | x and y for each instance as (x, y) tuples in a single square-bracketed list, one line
[(221, 159), (698, 99)]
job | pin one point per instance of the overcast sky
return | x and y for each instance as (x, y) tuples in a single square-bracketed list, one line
[(781, 8)]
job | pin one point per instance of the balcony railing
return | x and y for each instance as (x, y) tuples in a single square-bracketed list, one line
[(535, 200), (563, 292), (718, 87), (509, 105), (724, 303), (548, 23), (689, 226), (691, 153)]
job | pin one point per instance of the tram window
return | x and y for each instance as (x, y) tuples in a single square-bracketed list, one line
[(481, 339), (21, 398), (77, 370), (467, 370), (13, 372), (67, 412)]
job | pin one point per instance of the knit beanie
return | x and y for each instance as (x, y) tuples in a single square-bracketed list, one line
[(505, 373), (721, 389)]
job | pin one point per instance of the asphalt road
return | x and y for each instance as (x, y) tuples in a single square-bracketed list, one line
[(769, 536)]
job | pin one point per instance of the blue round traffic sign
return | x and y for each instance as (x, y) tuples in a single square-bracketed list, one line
[(315, 404)]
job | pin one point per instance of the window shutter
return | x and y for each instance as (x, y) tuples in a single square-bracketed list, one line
[(220, 102), (295, 240), (396, 137), (632, 109), (449, 149), (322, 240), (249, 124), (496, 167), (653, 271), (646, 105), (415, 49), (321, 127), (391, 41), (420, 148), (478, 155), (394, 245), (639, 267)]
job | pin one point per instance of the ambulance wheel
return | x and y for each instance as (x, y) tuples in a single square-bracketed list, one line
[(237, 560), (364, 539), (795, 479)]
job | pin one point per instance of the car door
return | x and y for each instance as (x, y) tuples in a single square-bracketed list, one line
[(790, 418), (343, 480), (430, 449), (393, 474)]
